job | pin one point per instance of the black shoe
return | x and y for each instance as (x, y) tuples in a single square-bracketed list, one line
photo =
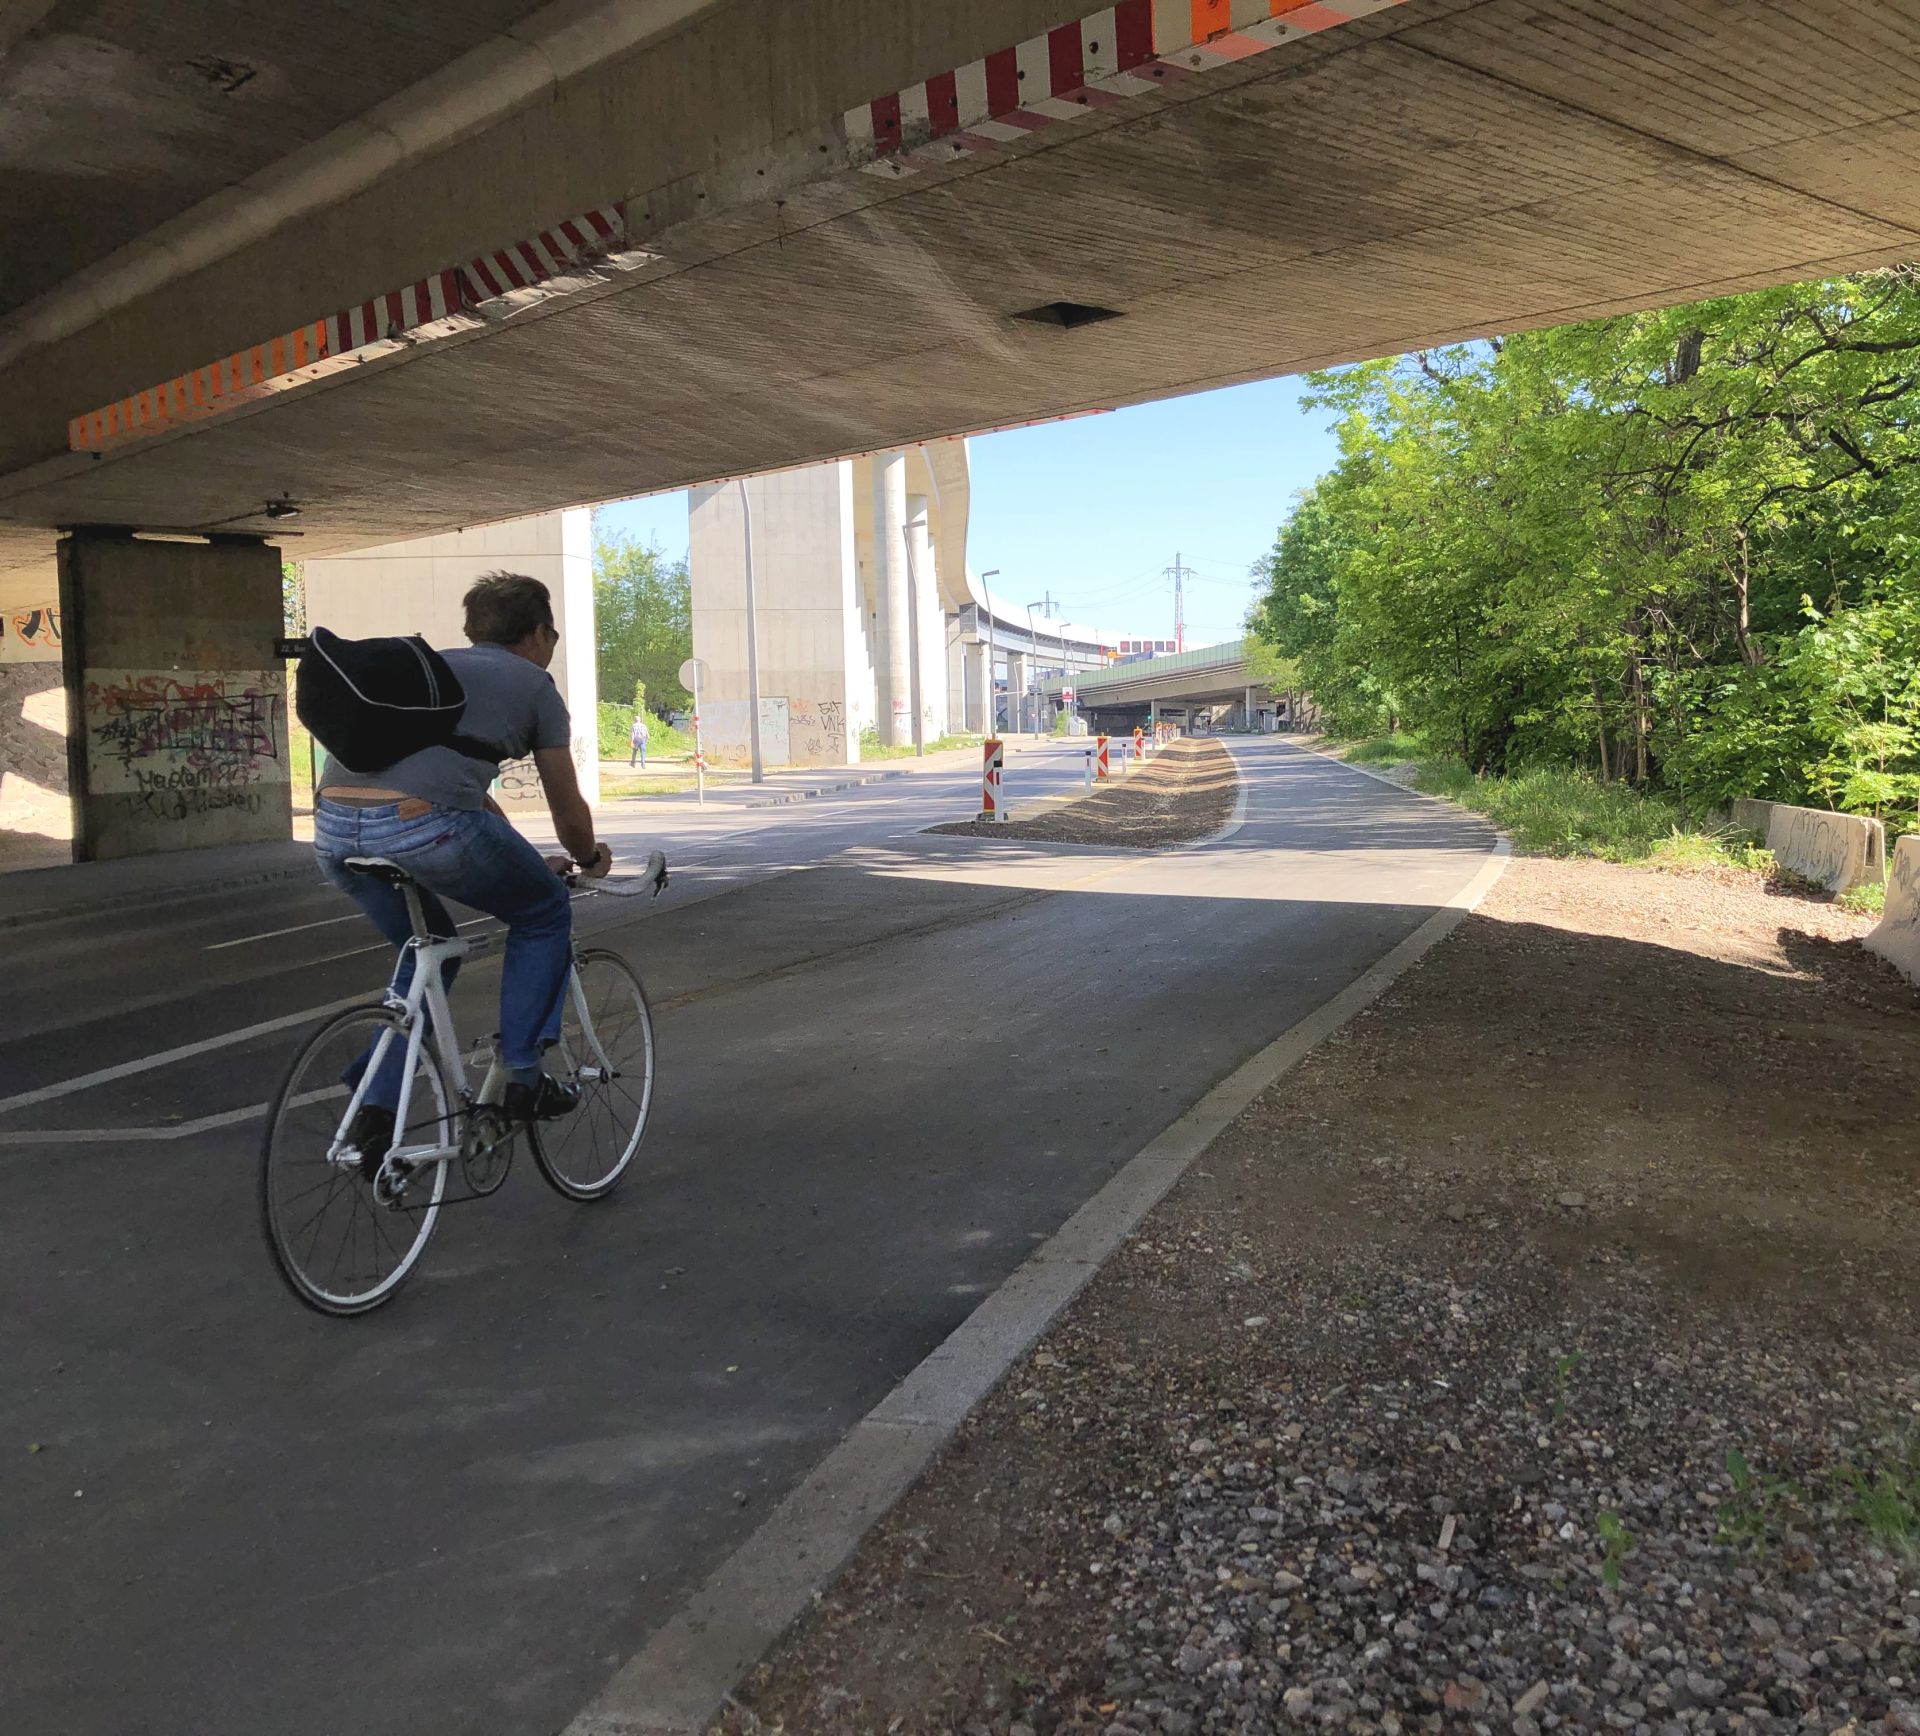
[(547, 1101), (370, 1132)]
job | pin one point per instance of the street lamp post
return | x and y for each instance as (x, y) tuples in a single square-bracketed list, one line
[(753, 647), (1033, 647)]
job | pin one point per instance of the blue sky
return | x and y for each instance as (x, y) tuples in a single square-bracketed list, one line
[(1093, 510)]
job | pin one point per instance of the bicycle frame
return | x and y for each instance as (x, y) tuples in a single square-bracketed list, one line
[(423, 1008)]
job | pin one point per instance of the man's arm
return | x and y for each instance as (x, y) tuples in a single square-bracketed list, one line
[(572, 818)]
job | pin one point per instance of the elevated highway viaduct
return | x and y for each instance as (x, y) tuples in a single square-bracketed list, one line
[(1210, 682)]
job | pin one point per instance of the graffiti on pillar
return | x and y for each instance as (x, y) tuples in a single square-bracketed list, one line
[(520, 780), (817, 732), (172, 745), (30, 635)]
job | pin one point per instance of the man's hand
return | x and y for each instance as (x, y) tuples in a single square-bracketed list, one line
[(595, 868)]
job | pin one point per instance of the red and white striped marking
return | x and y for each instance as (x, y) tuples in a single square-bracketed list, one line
[(1073, 71), (1101, 765), (558, 261), (419, 311), (993, 760)]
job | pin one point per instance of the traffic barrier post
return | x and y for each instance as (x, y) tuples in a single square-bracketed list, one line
[(993, 758), (1100, 765), (1087, 756)]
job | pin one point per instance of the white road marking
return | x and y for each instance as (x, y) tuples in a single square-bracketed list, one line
[(275, 933), (186, 1052), (147, 1135)]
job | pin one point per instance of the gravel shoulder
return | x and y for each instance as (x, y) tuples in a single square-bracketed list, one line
[(1186, 792), (1540, 1354)]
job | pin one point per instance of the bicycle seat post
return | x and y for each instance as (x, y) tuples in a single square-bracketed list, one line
[(415, 915)]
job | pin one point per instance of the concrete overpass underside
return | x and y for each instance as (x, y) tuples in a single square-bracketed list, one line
[(792, 279)]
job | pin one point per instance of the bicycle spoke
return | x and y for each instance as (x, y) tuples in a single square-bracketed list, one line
[(313, 1206)]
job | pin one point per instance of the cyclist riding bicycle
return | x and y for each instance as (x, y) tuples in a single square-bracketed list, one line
[(433, 815)]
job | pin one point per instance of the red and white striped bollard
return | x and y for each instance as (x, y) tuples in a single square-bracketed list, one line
[(993, 758)]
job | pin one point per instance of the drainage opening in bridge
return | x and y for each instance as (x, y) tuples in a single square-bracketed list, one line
[(1067, 314)]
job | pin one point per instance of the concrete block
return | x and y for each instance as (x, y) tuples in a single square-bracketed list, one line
[(1753, 816), (1897, 939), (1836, 851)]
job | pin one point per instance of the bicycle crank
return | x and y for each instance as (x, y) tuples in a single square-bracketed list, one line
[(486, 1148)]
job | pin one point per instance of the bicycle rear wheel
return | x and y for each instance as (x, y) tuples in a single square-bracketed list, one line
[(345, 1240), (610, 1057)]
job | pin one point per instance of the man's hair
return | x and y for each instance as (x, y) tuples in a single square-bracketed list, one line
[(503, 608)]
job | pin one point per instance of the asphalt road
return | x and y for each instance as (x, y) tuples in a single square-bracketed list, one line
[(890, 1065)]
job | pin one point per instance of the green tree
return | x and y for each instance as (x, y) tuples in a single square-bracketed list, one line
[(1677, 547), (293, 599), (643, 619)]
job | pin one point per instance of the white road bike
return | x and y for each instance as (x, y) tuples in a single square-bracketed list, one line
[(346, 1227)]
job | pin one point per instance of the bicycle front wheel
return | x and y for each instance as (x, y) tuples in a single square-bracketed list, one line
[(606, 1049), (343, 1232)]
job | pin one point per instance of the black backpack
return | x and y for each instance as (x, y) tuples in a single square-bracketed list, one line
[(371, 702)]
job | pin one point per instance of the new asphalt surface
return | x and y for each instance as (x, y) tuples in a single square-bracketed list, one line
[(890, 1065)]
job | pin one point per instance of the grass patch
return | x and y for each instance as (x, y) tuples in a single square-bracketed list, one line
[(1763, 1512), (673, 783), (1552, 811), (871, 747), (1883, 1498), (1562, 813), (1379, 750), (1870, 900)]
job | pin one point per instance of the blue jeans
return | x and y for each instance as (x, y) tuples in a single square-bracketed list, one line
[(476, 859)]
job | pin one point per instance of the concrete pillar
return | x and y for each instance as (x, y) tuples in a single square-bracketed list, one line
[(958, 698), (417, 587), (1019, 711), (979, 688), (36, 814), (176, 701), (931, 620), (815, 673), (890, 582)]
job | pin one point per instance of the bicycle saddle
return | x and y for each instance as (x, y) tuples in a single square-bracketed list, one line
[(380, 869)]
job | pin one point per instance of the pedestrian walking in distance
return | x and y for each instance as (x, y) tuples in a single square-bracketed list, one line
[(638, 742)]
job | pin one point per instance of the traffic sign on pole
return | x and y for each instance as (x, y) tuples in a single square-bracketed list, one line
[(692, 673)]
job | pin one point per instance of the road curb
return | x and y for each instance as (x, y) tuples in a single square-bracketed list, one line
[(792, 796), (118, 901), (682, 1676)]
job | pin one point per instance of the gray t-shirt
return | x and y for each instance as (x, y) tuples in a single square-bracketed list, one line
[(512, 705)]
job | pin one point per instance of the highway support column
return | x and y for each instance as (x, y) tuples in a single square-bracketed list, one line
[(177, 725), (894, 594)]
